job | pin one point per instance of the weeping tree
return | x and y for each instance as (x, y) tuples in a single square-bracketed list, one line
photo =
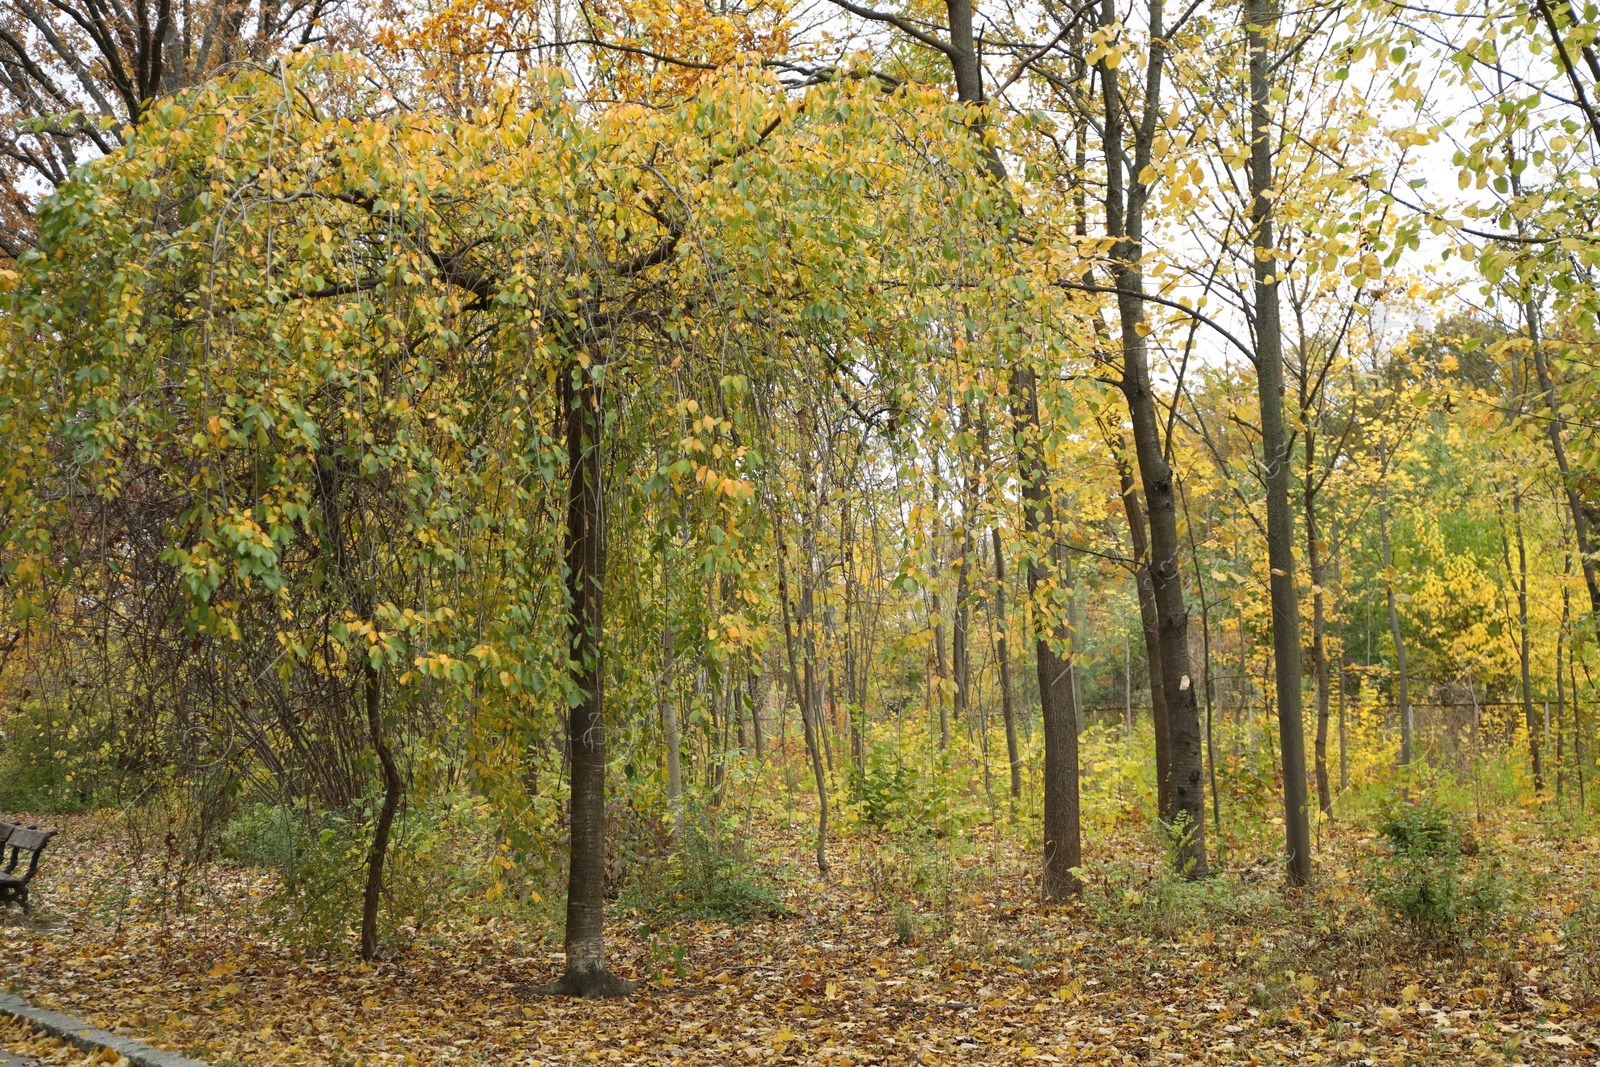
[(307, 433), (335, 337)]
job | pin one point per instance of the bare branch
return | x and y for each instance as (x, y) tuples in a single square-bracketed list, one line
[(900, 23)]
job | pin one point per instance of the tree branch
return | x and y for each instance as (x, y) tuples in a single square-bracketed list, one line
[(1086, 287), (899, 23)]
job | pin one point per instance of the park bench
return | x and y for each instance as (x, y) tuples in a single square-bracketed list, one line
[(20, 839)]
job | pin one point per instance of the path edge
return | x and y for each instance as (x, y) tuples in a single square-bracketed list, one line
[(81, 1035)]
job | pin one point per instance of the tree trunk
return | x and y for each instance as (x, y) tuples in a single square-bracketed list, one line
[(1205, 649), (1152, 631), (808, 720), (739, 699), (586, 973), (392, 787), (1244, 676), (855, 697), (1125, 205), (1344, 760), (820, 712), (1525, 649), (669, 721), (1260, 17), (1561, 688), (802, 689), (1564, 651), (1403, 693), (960, 654), (939, 677), (1063, 848), (1403, 696), (1003, 654), (1319, 650), (755, 712), (1577, 727), (1569, 483), (1127, 689), (1074, 620)]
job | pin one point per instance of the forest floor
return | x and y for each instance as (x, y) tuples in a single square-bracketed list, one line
[(1143, 971)]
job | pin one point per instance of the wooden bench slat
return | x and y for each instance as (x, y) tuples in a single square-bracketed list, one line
[(28, 840)]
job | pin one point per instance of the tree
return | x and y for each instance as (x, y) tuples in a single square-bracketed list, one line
[(1126, 197), (1261, 19), (399, 286), (314, 502)]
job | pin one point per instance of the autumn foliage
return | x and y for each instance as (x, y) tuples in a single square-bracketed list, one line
[(1046, 534)]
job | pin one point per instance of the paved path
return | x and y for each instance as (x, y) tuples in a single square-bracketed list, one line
[(8, 1059), (89, 1038)]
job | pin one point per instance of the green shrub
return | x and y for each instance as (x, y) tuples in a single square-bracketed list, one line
[(1429, 876), (1582, 935), (905, 925), (910, 869), (661, 948), (1163, 905), (441, 864), (265, 835), (1157, 905), (920, 790), (707, 872), (887, 791), (1248, 767), (1559, 823), (715, 878), (321, 859)]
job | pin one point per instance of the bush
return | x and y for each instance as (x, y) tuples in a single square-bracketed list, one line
[(1430, 878), (265, 835), (1158, 903), (445, 859), (714, 878), (911, 869), (708, 874), (888, 792), (924, 880), (1582, 935), (895, 793), (320, 858), (1559, 823)]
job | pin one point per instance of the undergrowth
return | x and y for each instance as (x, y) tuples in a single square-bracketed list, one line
[(1432, 878), (699, 868)]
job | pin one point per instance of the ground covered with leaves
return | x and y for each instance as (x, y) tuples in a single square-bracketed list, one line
[(915, 950)]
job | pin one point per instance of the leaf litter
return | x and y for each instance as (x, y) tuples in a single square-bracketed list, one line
[(982, 974)]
